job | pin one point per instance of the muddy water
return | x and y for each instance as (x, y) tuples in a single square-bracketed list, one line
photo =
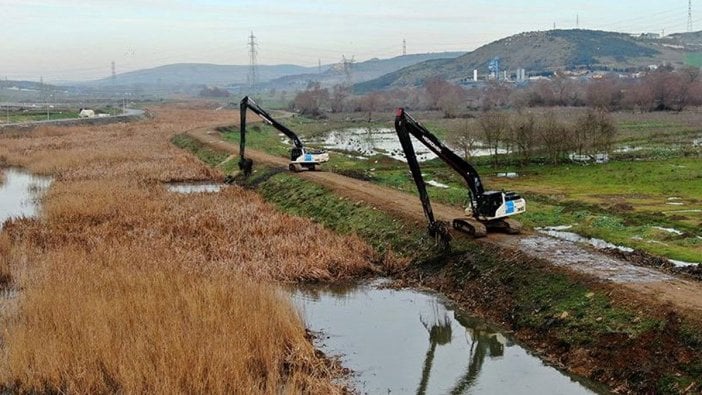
[(404, 341), (19, 193)]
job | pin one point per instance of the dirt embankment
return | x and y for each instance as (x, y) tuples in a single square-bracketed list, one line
[(650, 284)]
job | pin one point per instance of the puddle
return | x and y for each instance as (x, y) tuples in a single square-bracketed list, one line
[(508, 175), (195, 187), (437, 184), (600, 244), (19, 193), (627, 148), (670, 230), (380, 141), (404, 341), (571, 255)]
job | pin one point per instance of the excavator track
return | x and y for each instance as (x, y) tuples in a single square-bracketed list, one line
[(505, 225), (470, 226)]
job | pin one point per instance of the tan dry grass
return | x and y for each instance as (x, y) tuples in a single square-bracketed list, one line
[(123, 320), (129, 288)]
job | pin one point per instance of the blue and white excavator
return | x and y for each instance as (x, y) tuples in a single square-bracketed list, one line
[(487, 210), (301, 158)]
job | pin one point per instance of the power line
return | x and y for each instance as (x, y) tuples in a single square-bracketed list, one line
[(347, 67), (252, 77)]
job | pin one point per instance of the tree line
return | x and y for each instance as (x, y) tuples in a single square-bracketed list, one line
[(529, 136), (664, 89)]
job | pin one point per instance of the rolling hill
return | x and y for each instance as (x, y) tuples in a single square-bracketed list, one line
[(285, 76), (199, 74), (541, 52), (361, 71)]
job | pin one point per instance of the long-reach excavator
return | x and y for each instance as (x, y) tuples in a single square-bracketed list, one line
[(487, 210), (301, 159)]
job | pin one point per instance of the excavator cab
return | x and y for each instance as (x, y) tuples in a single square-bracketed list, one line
[(499, 204)]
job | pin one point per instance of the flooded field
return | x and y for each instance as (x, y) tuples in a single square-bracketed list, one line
[(379, 141), (19, 193), (404, 341)]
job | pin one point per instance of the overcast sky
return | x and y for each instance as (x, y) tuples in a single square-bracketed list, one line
[(77, 40)]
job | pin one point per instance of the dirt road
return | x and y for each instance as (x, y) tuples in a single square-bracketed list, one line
[(649, 283)]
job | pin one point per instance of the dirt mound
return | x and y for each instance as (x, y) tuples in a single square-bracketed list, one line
[(643, 258)]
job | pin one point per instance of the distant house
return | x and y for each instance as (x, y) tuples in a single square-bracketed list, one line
[(85, 113)]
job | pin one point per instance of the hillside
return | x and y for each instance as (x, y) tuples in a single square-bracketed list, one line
[(540, 52), (200, 74), (361, 71)]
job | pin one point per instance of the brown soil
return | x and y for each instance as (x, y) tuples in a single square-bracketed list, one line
[(647, 284)]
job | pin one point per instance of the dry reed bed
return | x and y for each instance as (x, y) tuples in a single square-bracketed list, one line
[(126, 287)]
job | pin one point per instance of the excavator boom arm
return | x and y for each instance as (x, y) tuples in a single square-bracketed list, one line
[(405, 124), (248, 104)]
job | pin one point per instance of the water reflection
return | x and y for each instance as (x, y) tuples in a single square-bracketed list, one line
[(404, 341)]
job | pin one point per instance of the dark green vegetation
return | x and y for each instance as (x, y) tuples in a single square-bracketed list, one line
[(586, 326)]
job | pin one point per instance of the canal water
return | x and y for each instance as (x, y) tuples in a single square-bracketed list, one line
[(405, 341), (19, 193)]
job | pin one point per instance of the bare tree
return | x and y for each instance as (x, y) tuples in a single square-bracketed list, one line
[(496, 95), (371, 102), (311, 100), (639, 96), (338, 96), (445, 96), (599, 131), (604, 94), (435, 89), (523, 136), (452, 100), (554, 137), (465, 137), (494, 127)]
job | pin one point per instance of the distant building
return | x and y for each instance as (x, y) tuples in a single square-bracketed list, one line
[(650, 36)]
